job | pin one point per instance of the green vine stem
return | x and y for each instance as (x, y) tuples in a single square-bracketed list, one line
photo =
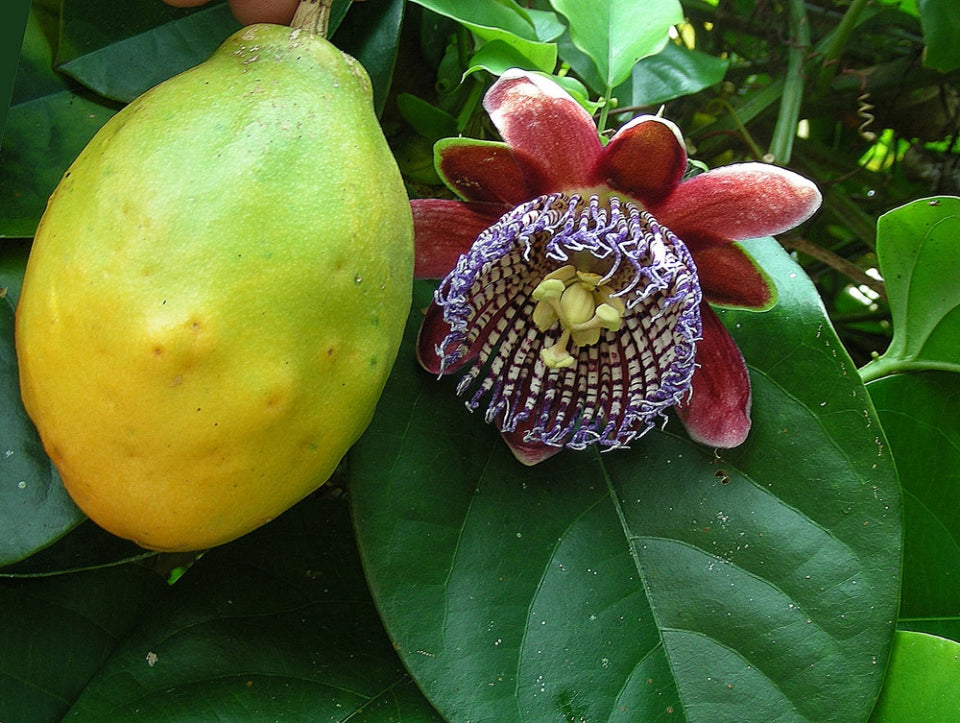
[(785, 130), (312, 16), (888, 364), (741, 127), (838, 41), (604, 112)]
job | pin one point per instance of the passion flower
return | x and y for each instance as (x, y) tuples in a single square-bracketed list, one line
[(577, 277)]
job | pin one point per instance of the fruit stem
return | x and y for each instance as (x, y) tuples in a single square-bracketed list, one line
[(312, 16)]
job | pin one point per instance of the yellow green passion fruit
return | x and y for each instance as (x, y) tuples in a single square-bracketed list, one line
[(217, 292)]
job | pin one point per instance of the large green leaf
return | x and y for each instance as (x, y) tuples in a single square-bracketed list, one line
[(618, 33), (497, 56), (49, 123), (35, 510), (35, 76), (918, 246), (660, 583), (121, 48), (941, 27), (278, 625), (58, 631), (502, 20), (486, 16), (923, 681), (673, 72), (13, 21), (43, 138), (86, 547), (370, 32), (921, 415)]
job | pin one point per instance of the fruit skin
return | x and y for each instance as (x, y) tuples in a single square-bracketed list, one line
[(217, 292)]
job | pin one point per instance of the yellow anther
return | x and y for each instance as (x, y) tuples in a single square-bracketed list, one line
[(609, 316), (557, 357), (547, 295), (589, 279), (564, 273), (583, 307), (548, 289), (605, 296)]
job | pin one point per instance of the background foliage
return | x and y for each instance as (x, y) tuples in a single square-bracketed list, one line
[(433, 578)]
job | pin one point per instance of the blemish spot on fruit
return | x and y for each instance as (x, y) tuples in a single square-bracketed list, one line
[(274, 398), (176, 381), (357, 279), (22, 484)]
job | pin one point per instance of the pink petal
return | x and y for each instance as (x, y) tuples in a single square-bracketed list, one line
[(645, 158), (445, 229), (481, 171), (730, 277), (740, 201), (541, 122), (528, 453), (433, 331), (718, 413)]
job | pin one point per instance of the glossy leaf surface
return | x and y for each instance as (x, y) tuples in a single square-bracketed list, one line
[(941, 27), (14, 17), (659, 583), (58, 631), (277, 625), (48, 125), (923, 681), (149, 40), (920, 262), (618, 33), (673, 72), (502, 20), (921, 415), (497, 56)]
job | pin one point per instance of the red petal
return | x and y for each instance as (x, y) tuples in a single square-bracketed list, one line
[(445, 229), (718, 413), (528, 453), (542, 123), (481, 171), (433, 331), (740, 201), (645, 158), (730, 277)]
